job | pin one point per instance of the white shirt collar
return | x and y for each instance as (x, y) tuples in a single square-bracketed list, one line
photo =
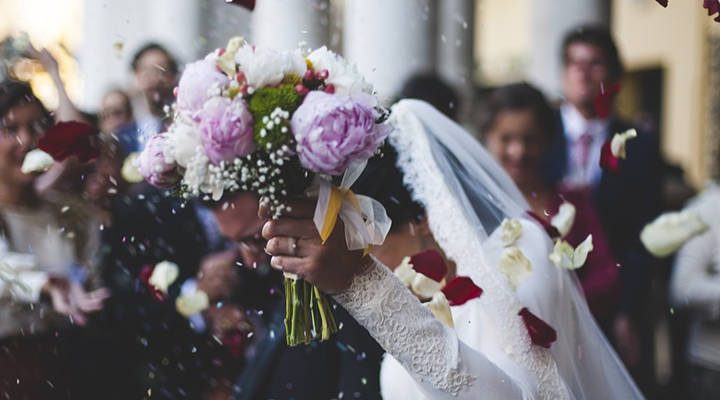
[(575, 125)]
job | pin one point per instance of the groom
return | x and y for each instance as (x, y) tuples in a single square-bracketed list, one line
[(347, 365)]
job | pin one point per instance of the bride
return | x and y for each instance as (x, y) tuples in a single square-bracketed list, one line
[(444, 192)]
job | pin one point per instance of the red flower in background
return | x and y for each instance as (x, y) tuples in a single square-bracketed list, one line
[(249, 4), (67, 139), (145, 275), (603, 101), (461, 289), (429, 263), (541, 334)]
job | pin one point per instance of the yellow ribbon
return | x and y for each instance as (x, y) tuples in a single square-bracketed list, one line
[(337, 196)]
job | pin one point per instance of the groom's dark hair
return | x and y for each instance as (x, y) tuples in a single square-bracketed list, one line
[(382, 180)]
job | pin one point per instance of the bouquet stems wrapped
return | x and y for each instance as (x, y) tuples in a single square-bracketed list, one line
[(308, 313)]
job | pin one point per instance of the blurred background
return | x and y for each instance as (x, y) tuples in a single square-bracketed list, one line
[(671, 85)]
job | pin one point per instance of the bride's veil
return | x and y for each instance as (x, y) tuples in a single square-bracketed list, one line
[(466, 196)]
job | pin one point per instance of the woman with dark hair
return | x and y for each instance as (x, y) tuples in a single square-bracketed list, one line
[(516, 125)]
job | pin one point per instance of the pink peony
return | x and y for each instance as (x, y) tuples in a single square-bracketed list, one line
[(153, 165), (227, 129), (200, 81), (332, 131)]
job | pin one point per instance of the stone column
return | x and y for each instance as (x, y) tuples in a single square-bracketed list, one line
[(390, 40), (550, 20), (455, 46), (282, 24)]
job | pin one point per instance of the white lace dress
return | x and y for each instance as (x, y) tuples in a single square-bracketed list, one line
[(426, 359)]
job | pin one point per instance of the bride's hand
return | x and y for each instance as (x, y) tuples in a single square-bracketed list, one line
[(295, 246)]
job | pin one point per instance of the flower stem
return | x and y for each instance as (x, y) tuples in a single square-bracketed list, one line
[(308, 313)]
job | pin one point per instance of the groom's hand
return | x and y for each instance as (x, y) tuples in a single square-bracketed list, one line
[(295, 246)]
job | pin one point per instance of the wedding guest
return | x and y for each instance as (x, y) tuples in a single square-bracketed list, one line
[(695, 287), (155, 73), (626, 201), (346, 365), (517, 125), (44, 265), (116, 117)]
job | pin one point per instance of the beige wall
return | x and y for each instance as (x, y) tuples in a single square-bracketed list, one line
[(502, 40), (674, 39)]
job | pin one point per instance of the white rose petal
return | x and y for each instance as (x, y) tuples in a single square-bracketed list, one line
[(511, 231), (564, 219), (129, 171), (565, 257), (617, 145), (670, 231), (405, 272), (190, 304), (36, 161), (163, 275), (515, 266), (343, 75), (440, 307), (425, 287), (226, 61)]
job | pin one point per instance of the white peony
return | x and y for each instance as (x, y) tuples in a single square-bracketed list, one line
[(440, 307), (36, 161), (183, 143), (565, 257), (564, 219), (263, 66), (617, 145), (670, 231), (515, 266), (511, 231), (129, 171), (163, 275), (192, 303), (343, 75)]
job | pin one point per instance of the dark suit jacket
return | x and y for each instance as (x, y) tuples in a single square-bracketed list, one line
[(348, 363), (625, 203)]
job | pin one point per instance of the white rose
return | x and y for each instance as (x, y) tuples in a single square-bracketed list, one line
[(440, 307), (163, 275), (190, 304), (341, 74), (617, 145), (515, 266), (670, 231), (263, 66), (511, 231), (564, 219), (565, 257), (129, 171), (36, 161)]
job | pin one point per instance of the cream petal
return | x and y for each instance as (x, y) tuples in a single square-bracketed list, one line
[(564, 219), (129, 171), (191, 304), (515, 266), (511, 231), (440, 307), (36, 161), (670, 231), (617, 145), (163, 275)]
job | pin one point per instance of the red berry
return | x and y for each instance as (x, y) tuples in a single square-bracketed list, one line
[(323, 74), (240, 77), (301, 89), (309, 75), (329, 89)]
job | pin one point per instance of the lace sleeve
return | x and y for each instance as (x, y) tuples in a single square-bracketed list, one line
[(441, 365)]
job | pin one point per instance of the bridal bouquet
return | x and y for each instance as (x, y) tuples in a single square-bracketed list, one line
[(277, 124)]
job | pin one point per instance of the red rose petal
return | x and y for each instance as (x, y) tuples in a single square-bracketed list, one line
[(249, 4), (663, 3), (429, 263), (608, 161), (67, 139), (145, 274), (541, 334), (235, 343), (461, 289), (552, 231), (712, 6), (603, 101)]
